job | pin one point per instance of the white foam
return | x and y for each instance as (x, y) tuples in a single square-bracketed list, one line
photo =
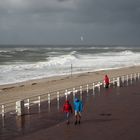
[(61, 64)]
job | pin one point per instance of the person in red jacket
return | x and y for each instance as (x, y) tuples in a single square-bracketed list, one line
[(67, 108), (106, 81)]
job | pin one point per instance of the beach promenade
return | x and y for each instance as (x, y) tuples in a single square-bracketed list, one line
[(112, 114)]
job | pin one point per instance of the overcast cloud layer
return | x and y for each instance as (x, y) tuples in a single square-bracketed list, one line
[(65, 21)]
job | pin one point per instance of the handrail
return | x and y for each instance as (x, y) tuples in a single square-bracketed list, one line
[(55, 92)]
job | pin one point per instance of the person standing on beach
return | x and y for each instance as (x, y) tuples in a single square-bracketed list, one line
[(67, 108), (78, 107), (106, 81)]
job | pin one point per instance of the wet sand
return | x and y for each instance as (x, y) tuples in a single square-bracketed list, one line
[(112, 114), (13, 92)]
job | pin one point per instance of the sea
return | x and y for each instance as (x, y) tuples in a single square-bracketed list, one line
[(20, 63)]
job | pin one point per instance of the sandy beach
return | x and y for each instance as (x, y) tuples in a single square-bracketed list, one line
[(13, 92)]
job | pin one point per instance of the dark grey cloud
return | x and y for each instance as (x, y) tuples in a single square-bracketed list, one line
[(64, 21)]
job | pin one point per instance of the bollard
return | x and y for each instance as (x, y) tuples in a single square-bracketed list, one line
[(2, 110), (20, 108), (118, 81)]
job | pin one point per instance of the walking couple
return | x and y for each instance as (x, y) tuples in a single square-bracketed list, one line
[(78, 107)]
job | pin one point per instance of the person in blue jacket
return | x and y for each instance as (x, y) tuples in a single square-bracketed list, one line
[(78, 107)]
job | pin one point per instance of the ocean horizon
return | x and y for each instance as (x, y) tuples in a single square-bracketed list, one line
[(20, 63)]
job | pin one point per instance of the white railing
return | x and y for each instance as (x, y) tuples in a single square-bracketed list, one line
[(28, 102)]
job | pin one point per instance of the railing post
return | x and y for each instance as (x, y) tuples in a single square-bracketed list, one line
[(28, 104), (118, 81), (99, 86), (66, 94), (49, 102), (93, 85), (58, 100), (39, 100), (127, 78), (87, 88), (73, 93), (81, 92), (49, 99), (3, 110), (122, 79), (138, 75), (80, 89), (135, 76), (57, 96), (20, 108), (113, 82), (131, 78)]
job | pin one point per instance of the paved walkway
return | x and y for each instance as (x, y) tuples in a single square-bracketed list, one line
[(112, 114)]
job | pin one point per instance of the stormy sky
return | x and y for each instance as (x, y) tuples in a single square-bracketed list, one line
[(70, 22)]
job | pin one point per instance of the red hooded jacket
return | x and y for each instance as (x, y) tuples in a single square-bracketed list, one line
[(67, 107), (106, 80)]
